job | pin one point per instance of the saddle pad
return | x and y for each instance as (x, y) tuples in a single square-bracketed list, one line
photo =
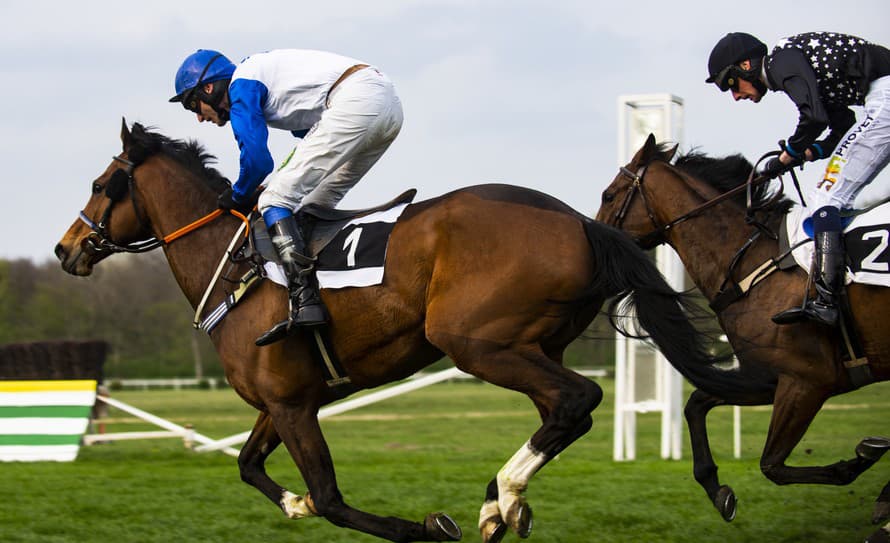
[(867, 240), (355, 257)]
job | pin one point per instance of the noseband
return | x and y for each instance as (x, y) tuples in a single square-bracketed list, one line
[(636, 187), (99, 242)]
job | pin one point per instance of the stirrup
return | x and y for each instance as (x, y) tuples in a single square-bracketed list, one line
[(812, 310)]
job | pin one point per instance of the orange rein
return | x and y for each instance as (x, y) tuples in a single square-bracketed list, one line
[(173, 236)]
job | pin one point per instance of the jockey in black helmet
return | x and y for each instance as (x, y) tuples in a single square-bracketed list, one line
[(824, 73)]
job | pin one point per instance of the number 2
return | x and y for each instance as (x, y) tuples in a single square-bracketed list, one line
[(870, 262)]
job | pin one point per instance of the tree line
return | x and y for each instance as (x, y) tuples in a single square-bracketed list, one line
[(133, 303), (130, 301)]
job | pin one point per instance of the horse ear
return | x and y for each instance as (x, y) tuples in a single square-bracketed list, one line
[(646, 152), (125, 133), (669, 154)]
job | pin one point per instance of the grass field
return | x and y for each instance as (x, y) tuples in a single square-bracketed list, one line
[(436, 449)]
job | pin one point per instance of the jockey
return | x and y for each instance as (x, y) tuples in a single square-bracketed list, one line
[(824, 73), (346, 113)]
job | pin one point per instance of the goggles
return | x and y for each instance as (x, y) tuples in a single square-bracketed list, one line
[(727, 78)]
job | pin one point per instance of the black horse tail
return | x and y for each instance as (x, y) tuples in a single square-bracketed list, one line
[(624, 273)]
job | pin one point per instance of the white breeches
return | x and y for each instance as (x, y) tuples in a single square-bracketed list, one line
[(363, 117), (860, 156)]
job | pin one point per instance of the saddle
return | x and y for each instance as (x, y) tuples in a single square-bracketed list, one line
[(318, 224)]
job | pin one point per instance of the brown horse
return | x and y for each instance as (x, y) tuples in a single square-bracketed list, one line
[(498, 278), (689, 205)]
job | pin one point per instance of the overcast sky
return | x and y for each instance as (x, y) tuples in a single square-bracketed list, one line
[(521, 92)]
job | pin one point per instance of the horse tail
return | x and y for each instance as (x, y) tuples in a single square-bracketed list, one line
[(625, 273)]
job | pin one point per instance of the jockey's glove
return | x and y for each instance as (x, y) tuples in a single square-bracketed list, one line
[(228, 202)]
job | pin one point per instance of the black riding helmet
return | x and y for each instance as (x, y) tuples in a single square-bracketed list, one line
[(723, 64)]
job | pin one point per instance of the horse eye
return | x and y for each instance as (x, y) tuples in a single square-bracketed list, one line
[(608, 197), (97, 188)]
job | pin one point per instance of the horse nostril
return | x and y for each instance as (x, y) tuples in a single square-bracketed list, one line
[(60, 252)]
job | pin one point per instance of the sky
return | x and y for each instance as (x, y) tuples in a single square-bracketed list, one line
[(519, 92)]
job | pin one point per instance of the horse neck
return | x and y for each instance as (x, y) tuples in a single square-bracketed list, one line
[(178, 199), (707, 242)]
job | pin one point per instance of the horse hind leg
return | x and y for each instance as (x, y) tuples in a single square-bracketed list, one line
[(795, 407), (251, 464)]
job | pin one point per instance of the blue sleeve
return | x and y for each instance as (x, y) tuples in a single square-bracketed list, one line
[(247, 97)]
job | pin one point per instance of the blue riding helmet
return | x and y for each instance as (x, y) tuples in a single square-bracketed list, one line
[(202, 66)]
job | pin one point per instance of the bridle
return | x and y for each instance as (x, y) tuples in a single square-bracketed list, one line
[(99, 243), (657, 236)]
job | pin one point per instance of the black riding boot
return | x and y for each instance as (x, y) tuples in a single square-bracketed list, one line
[(306, 308), (830, 266)]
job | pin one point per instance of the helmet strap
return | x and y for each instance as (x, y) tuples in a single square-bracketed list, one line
[(753, 75), (215, 98)]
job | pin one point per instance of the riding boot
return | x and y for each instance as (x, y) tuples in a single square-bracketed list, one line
[(830, 266), (306, 307)]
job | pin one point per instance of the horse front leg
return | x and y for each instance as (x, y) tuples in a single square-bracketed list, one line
[(564, 400), (704, 468), (504, 503), (796, 404), (251, 463), (298, 428)]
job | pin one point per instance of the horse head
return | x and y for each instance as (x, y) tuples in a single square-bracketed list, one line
[(127, 200), (625, 203)]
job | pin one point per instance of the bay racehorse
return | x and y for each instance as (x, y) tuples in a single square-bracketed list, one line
[(698, 206), (498, 278)]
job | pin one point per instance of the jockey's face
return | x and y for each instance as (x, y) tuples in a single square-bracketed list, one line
[(745, 90), (208, 113)]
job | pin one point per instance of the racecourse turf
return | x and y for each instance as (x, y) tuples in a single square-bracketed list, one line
[(436, 449)]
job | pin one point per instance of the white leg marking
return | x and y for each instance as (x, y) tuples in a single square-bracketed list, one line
[(489, 519), (513, 479), (295, 506), (489, 513)]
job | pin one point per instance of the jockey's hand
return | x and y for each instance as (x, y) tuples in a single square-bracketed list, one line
[(227, 202)]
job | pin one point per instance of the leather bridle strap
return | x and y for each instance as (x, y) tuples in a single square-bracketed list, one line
[(659, 231), (99, 241)]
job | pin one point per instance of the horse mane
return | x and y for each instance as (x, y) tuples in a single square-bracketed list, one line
[(145, 142), (727, 173)]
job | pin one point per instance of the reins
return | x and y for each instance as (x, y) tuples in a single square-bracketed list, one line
[(99, 240), (660, 231), (730, 290)]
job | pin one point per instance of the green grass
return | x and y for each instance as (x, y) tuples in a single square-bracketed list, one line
[(436, 449)]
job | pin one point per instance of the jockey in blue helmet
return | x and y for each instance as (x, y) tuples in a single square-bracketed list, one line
[(346, 114)]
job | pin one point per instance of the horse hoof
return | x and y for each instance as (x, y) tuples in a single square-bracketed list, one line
[(726, 504), (493, 532), (523, 522), (872, 448), (441, 527)]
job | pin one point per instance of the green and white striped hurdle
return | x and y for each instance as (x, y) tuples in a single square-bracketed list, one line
[(44, 420)]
